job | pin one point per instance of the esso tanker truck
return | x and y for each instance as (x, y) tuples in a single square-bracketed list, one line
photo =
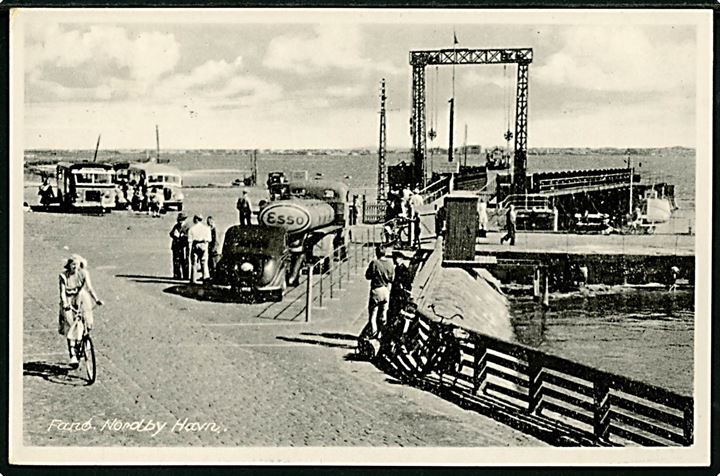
[(308, 226)]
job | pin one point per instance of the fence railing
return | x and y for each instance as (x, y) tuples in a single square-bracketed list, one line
[(597, 407), (584, 180), (436, 189), (327, 275)]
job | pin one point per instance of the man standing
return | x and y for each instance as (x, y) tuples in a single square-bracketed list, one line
[(179, 247), (483, 217), (199, 237), (380, 273), (214, 247), (510, 219), (244, 208), (416, 201)]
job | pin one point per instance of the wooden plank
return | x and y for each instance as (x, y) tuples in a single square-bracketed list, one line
[(517, 380), (647, 411), (565, 383), (636, 437), (564, 397), (565, 411), (506, 391), (648, 427)]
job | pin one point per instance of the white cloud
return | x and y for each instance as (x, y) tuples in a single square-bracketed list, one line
[(619, 59), (106, 56), (323, 48)]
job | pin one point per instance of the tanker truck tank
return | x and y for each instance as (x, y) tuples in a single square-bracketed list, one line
[(297, 216)]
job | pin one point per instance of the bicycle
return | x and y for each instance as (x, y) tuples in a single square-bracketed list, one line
[(425, 347), (84, 348)]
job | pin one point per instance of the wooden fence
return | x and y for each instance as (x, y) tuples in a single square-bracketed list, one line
[(587, 405)]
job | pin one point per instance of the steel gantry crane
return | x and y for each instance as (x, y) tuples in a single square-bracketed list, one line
[(421, 58)]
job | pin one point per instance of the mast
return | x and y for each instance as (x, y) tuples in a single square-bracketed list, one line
[(382, 183), (97, 146), (452, 131), (465, 148), (157, 144)]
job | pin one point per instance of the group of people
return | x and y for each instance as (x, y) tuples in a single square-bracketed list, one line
[(137, 197), (195, 248), (390, 286), (406, 207)]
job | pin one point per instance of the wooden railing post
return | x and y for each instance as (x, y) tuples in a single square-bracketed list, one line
[(535, 368), (688, 424), (322, 275), (601, 409), (479, 363), (308, 295)]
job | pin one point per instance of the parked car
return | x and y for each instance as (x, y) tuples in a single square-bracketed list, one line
[(254, 262)]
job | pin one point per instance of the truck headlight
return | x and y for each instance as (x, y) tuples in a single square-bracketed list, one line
[(180, 196)]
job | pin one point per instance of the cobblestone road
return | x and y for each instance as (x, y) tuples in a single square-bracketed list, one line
[(167, 354)]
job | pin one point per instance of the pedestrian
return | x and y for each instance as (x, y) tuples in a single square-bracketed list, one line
[(354, 211), (510, 223), (244, 207), (179, 247), (45, 191), (416, 201), (401, 285), (76, 295), (381, 273), (674, 275), (199, 237), (483, 217), (213, 247), (440, 216)]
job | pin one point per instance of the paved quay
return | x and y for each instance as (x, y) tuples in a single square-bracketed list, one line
[(213, 371)]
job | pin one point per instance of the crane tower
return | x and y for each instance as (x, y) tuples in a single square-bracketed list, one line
[(421, 58)]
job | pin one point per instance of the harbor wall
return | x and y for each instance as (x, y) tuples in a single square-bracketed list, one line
[(602, 269)]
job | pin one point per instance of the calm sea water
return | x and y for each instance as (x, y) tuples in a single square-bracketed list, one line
[(642, 334)]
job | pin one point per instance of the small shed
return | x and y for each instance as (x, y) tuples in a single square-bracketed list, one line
[(462, 224)]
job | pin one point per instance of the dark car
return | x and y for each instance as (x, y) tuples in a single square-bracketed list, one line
[(255, 261)]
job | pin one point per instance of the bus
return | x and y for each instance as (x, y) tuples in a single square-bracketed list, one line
[(86, 185)]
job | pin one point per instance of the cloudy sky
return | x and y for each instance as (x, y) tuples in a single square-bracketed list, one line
[(297, 79)]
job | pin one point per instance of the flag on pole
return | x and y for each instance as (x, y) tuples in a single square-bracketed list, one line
[(455, 40)]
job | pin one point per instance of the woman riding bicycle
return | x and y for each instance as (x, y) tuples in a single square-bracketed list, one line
[(76, 295)]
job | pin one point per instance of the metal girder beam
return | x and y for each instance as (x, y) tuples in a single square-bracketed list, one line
[(471, 56), (417, 126)]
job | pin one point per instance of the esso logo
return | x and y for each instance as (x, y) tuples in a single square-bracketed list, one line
[(288, 216)]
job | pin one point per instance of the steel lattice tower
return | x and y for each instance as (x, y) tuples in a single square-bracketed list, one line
[(382, 169), (420, 59)]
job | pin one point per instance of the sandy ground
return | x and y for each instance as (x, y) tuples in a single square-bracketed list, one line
[(168, 352)]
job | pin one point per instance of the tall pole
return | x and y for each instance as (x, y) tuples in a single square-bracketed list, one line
[(157, 144), (451, 132), (631, 183), (382, 182), (97, 146), (254, 168), (465, 148)]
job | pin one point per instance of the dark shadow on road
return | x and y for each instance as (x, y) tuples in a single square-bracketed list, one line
[(315, 342), (53, 372), (199, 292), (329, 335), (139, 278)]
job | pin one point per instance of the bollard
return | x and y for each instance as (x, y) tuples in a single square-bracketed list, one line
[(545, 287), (340, 276), (322, 275), (355, 252), (308, 295), (536, 284)]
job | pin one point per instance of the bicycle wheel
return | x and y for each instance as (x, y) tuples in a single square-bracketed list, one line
[(88, 358)]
